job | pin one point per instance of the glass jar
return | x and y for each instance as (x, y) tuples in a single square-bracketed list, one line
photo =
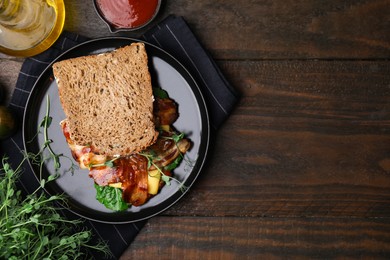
[(29, 27)]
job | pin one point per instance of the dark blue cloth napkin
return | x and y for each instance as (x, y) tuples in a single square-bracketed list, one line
[(174, 36)]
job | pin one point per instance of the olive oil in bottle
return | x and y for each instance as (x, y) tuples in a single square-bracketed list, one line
[(28, 27)]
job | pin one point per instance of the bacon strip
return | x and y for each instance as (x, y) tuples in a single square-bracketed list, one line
[(130, 171), (164, 111)]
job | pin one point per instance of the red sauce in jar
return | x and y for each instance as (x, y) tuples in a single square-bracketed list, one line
[(127, 13)]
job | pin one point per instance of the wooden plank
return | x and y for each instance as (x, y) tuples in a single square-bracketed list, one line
[(269, 29), (261, 238), (308, 138)]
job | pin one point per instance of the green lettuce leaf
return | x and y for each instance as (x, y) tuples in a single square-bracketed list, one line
[(111, 197)]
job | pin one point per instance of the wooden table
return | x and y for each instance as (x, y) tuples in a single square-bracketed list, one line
[(301, 169)]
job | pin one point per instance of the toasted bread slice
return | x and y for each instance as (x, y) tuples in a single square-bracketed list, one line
[(108, 100)]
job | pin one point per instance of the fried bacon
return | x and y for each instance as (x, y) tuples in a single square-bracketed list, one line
[(164, 111), (131, 171), (134, 178), (167, 149)]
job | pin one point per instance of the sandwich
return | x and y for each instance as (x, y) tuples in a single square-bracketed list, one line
[(118, 126)]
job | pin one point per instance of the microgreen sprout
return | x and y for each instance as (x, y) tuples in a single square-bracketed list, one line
[(42, 157), (32, 226), (109, 163), (45, 124)]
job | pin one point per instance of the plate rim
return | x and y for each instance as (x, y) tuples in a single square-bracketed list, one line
[(200, 100)]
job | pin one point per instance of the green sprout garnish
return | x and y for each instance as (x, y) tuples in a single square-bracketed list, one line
[(109, 163), (31, 226)]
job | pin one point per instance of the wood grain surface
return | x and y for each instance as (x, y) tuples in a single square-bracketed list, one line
[(262, 238), (301, 169)]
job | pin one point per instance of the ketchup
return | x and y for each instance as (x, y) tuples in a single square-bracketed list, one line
[(127, 13)]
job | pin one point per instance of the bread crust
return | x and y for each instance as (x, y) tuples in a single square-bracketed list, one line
[(108, 100)]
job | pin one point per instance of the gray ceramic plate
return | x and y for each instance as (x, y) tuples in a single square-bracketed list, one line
[(167, 73)]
